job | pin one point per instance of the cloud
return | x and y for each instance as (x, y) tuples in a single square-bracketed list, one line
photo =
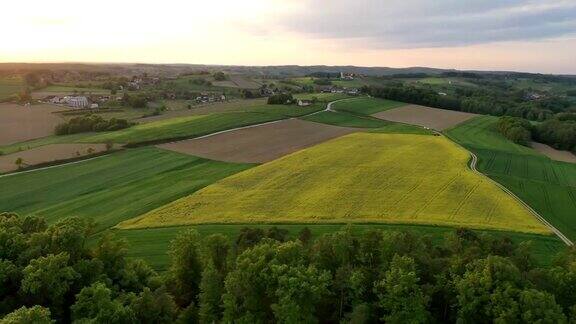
[(438, 23)]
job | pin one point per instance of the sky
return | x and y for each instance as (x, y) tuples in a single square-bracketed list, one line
[(519, 35)]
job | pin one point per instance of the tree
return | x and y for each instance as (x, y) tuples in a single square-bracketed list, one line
[(154, 307), (19, 163), (35, 314), (186, 268), (400, 297), (95, 304), (539, 307), (211, 289), (219, 76), (299, 290), (48, 279)]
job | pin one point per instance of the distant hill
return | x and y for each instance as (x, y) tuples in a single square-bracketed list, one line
[(129, 69)]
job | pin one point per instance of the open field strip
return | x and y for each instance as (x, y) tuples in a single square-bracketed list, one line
[(19, 123), (111, 188), (194, 126), (10, 87), (48, 153), (152, 244), (438, 119), (259, 144), (548, 186), (554, 154), (358, 178)]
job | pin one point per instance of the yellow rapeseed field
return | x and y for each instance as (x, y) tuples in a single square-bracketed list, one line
[(358, 178)]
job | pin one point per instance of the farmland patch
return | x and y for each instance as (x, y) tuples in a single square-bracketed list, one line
[(438, 119), (19, 123), (259, 144), (48, 153), (358, 178)]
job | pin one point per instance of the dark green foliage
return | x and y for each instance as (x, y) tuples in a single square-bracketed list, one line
[(322, 82), (219, 76), (35, 314), (281, 99), (516, 129), (559, 132), (264, 277), (91, 123)]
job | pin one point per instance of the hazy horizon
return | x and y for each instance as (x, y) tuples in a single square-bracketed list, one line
[(490, 35)]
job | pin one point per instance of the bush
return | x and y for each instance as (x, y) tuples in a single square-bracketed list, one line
[(90, 123), (516, 129), (280, 99)]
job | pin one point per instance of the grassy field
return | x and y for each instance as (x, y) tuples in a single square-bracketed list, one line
[(356, 112), (192, 126), (547, 186), (366, 106), (112, 188), (346, 119), (324, 97), (358, 178), (153, 244), (9, 87)]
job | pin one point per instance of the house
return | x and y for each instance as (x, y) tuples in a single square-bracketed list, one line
[(94, 106), (353, 92), (442, 93), (75, 102), (304, 102)]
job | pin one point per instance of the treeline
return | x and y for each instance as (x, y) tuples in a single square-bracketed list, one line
[(480, 101), (558, 132), (91, 123), (51, 273)]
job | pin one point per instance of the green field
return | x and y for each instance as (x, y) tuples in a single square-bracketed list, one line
[(152, 244), (358, 178), (193, 126), (355, 112), (346, 119), (10, 87), (73, 89), (366, 106), (112, 188), (547, 186)]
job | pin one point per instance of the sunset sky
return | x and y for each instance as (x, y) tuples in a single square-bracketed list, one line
[(523, 35)]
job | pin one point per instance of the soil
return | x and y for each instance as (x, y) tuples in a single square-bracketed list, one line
[(438, 119), (260, 144)]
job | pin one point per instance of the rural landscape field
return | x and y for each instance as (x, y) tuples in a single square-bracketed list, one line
[(290, 162)]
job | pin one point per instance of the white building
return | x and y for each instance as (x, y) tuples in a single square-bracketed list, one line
[(76, 102), (304, 102)]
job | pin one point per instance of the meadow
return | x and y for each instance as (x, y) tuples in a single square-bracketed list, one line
[(152, 244), (547, 186), (358, 178), (10, 87), (111, 188), (355, 112), (366, 106)]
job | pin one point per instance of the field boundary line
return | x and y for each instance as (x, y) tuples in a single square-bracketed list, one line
[(327, 109), (472, 166), (52, 166)]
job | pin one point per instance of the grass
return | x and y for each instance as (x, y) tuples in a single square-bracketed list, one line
[(547, 186), (152, 244), (112, 188), (22, 146), (73, 89), (358, 178), (325, 97), (193, 126), (366, 106), (356, 112), (10, 87), (346, 119)]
